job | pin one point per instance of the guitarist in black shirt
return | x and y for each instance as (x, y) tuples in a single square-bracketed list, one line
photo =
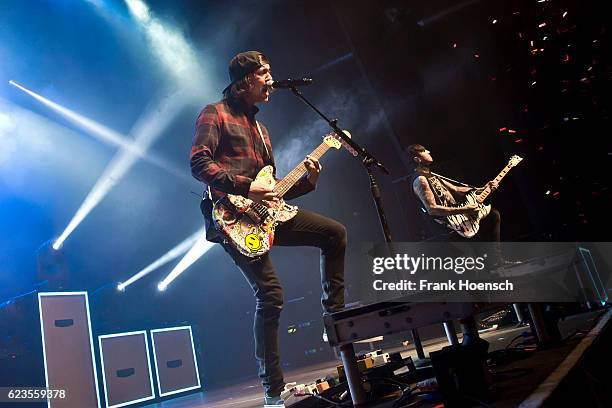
[(440, 198)]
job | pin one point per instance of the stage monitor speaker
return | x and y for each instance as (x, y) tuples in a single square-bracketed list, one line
[(68, 349), (175, 360), (126, 368)]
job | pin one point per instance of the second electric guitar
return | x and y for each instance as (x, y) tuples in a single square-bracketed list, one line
[(467, 225)]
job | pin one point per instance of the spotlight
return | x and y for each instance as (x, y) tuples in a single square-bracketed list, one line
[(121, 287), (161, 286), (51, 265), (139, 10)]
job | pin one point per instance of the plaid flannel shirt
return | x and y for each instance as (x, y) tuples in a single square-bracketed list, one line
[(227, 151)]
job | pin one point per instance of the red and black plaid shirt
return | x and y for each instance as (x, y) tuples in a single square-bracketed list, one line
[(227, 150)]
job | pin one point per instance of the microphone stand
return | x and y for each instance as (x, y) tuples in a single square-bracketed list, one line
[(368, 160), (347, 352)]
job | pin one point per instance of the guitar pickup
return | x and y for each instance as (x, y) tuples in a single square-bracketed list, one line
[(252, 214)]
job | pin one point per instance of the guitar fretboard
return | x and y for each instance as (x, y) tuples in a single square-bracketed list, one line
[(298, 172), (485, 193)]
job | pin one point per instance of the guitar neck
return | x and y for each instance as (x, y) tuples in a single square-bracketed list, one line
[(485, 193), (298, 172)]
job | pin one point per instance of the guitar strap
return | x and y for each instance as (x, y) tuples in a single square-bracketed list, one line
[(451, 180), (262, 139)]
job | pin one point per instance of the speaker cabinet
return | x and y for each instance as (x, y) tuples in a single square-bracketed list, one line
[(175, 360), (126, 368), (68, 349)]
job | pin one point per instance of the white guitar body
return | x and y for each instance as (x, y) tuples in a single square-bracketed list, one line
[(467, 225)]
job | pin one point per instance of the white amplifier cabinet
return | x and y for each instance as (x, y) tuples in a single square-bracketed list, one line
[(126, 368), (67, 349), (175, 360)]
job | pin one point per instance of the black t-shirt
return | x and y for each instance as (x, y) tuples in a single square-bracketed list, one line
[(433, 230)]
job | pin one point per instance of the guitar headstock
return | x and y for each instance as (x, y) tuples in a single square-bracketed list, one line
[(331, 140), (514, 160), (335, 141)]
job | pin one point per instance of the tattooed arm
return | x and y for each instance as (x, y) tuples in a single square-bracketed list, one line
[(423, 191)]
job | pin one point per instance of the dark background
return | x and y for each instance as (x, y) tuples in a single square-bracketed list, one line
[(474, 81)]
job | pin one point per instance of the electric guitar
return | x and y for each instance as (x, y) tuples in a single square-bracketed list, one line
[(249, 226), (467, 225)]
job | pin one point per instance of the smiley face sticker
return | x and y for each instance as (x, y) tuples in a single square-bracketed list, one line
[(253, 242)]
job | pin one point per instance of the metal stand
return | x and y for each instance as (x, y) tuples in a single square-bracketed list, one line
[(451, 333), (353, 377), (418, 346), (347, 352), (518, 312), (369, 161), (539, 325), (375, 190)]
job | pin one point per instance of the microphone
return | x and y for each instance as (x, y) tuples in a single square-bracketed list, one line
[(289, 83)]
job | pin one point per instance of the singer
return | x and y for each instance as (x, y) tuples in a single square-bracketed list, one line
[(229, 147)]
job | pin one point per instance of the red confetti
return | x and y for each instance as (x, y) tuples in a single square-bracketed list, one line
[(542, 25), (511, 131), (540, 148), (518, 141), (476, 55), (454, 45), (556, 194), (566, 58), (503, 129)]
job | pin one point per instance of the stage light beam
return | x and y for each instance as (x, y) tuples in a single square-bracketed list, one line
[(139, 9), (196, 252), (146, 131), (172, 254), (103, 133), (170, 46)]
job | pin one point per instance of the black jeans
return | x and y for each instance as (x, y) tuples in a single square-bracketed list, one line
[(305, 229), (489, 236)]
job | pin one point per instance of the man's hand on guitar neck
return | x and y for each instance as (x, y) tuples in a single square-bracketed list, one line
[(493, 185), (314, 168), (261, 192)]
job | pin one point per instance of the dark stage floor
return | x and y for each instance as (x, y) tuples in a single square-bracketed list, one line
[(509, 393)]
